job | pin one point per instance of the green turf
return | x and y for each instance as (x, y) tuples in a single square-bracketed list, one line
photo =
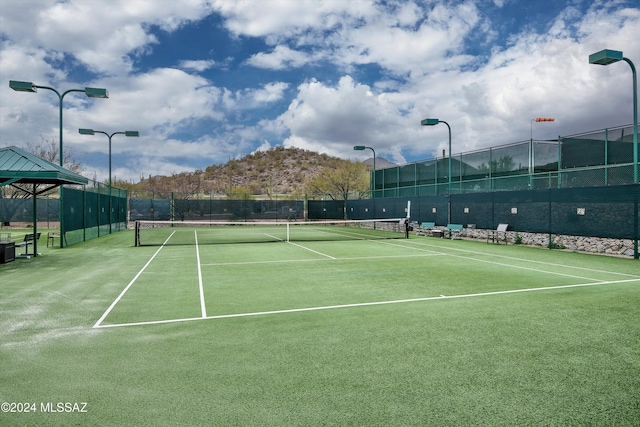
[(565, 356)]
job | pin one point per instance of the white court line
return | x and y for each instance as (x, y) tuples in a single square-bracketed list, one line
[(273, 237), (526, 260), (311, 250), (113, 304), (203, 307), (217, 264), (366, 304)]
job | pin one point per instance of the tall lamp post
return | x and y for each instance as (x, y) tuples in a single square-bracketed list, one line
[(91, 92), (606, 57), (433, 122), (360, 148), (129, 133)]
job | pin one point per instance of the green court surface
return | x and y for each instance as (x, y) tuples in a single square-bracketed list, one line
[(419, 331)]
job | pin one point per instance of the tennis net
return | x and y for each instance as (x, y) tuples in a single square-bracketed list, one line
[(156, 233)]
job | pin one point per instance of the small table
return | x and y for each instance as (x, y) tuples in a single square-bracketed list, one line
[(437, 233)]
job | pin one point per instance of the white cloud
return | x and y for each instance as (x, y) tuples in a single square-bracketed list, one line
[(280, 19), (252, 98), (361, 33), (163, 99), (538, 75), (333, 119), (197, 65), (420, 51), (265, 146), (280, 58), (103, 35)]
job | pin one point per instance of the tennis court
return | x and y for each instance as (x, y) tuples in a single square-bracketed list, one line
[(215, 279), (417, 331)]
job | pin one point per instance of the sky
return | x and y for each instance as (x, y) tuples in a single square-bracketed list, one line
[(206, 81)]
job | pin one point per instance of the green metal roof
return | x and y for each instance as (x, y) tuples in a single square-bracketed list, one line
[(18, 166)]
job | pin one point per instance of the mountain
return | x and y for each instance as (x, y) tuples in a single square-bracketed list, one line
[(278, 170)]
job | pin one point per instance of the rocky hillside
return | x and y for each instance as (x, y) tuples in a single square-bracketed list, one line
[(276, 171)]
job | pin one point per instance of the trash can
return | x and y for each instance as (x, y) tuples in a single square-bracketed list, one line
[(7, 252)]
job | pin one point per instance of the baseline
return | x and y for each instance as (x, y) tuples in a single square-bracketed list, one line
[(367, 304)]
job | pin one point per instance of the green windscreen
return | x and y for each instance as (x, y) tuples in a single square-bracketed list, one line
[(91, 212)]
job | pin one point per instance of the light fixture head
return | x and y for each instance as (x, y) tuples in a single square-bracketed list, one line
[(605, 57), (131, 133), (359, 147), (86, 131), (429, 122), (96, 92), (22, 86)]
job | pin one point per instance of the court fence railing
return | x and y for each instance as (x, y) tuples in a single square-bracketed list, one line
[(591, 159), (603, 212), (88, 211)]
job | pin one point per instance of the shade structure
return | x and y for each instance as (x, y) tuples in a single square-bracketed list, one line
[(19, 167)]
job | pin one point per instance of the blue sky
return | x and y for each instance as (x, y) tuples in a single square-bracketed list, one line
[(205, 81)]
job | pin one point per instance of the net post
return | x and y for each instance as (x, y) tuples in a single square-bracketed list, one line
[(137, 234)]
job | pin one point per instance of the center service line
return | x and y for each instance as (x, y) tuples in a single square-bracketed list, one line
[(203, 308)]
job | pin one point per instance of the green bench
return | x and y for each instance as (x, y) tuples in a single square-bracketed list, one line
[(28, 239), (424, 229), (453, 230)]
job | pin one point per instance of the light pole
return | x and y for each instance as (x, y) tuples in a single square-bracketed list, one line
[(606, 57), (130, 133), (360, 148), (433, 122), (91, 92), (531, 154)]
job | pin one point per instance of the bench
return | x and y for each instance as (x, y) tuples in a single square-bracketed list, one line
[(51, 236), (424, 228), (495, 235), (453, 230), (28, 239)]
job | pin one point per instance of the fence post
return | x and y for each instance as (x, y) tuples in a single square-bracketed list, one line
[(606, 157), (635, 224), (559, 161)]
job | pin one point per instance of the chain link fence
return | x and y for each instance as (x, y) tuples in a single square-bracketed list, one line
[(599, 158)]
